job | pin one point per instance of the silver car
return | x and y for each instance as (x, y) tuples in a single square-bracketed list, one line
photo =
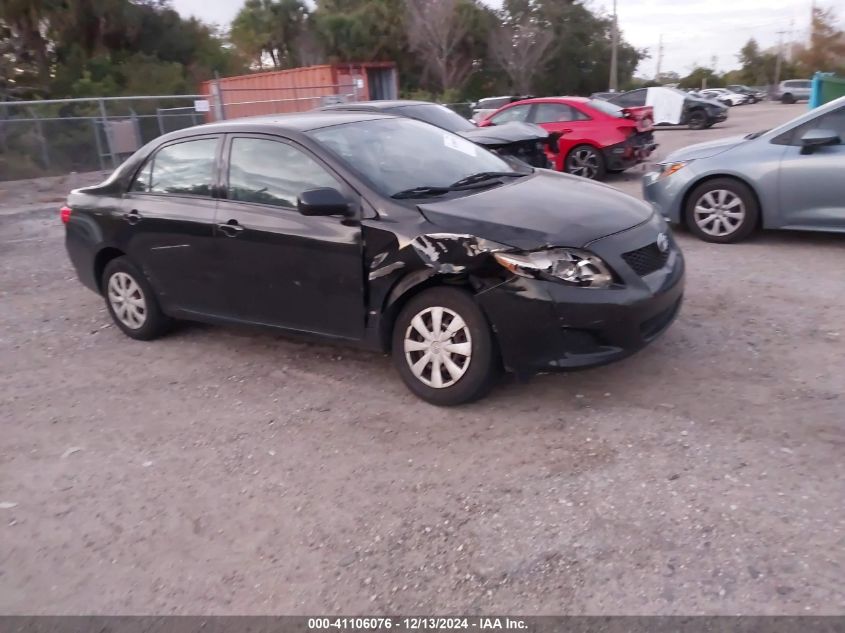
[(793, 90), (791, 177)]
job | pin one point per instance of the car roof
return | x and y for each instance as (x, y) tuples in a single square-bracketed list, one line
[(371, 105), (552, 99), (295, 122)]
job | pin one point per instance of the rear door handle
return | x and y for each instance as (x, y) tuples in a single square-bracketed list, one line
[(133, 217), (231, 228)]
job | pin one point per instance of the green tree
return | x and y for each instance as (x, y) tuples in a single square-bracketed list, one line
[(702, 77), (272, 29), (826, 51)]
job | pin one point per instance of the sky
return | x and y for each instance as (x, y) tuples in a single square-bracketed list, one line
[(694, 31)]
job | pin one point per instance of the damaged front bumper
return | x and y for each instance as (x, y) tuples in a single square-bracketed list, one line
[(545, 325)]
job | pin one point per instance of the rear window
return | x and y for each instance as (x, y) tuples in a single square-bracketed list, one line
[(438, 115), (606, 107)]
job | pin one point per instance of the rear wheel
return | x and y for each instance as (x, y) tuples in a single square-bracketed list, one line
[(131, 301), (722, 210), (585, 161), (443, 347), (697, 120)]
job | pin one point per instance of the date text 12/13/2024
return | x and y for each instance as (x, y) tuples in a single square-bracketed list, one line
[(415, 623)]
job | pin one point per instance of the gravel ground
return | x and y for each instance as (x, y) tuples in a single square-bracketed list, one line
[(238, 472)]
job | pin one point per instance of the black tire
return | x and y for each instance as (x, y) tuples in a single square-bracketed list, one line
[(787, 99), (482, 365), (749, 208), (154, 322), (585, 161), (697, 120)]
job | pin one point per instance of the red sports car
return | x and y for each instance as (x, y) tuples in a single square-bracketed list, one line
[(596, 136)]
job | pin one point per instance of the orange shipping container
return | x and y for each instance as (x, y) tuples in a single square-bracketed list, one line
[(300, 89)]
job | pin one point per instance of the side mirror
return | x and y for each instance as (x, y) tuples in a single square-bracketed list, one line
[(813, 139), (323, 201)]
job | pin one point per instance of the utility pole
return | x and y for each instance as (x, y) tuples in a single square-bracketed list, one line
[(614, 83), (659, 57), (779, 58)]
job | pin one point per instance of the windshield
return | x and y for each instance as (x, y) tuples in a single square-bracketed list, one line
[(395, 155), (606, 107), (438, 115)]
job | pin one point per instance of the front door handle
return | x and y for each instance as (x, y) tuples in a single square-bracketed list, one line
[(231, 228), (133, 217)]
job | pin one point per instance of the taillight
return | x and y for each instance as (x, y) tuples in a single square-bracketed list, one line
[(65, 214)]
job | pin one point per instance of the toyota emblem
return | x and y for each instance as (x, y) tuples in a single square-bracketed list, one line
[(663, 242)]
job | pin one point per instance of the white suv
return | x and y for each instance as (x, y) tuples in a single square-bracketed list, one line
[(793, 90)]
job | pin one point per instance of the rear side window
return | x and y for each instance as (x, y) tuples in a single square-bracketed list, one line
[(182, 168), (554, 112), (265, 171), (516, 113)]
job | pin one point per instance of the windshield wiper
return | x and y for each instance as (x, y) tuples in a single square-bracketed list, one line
[(753, 135), (486, 175), (475, 181), (420, 192)]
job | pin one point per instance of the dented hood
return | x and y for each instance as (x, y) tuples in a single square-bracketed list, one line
[(513, 132), (544, 209)]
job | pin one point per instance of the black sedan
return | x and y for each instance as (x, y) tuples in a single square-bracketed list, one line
[(323, 223), (526, 141)]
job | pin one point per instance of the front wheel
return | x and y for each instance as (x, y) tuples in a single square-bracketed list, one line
[(787, 99), (585, 161), (697, 120), (443, 347), (722, 210)]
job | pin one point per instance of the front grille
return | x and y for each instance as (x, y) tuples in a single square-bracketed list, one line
[(647, 259)]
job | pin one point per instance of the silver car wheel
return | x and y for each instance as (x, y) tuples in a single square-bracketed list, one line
[(438, 347), (583, 163), (719, 212), (127, 300)]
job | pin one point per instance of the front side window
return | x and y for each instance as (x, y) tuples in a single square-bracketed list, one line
[(394, 155), (265, 171), (556, 112), (833, 121), (516, 113), (185, 168)]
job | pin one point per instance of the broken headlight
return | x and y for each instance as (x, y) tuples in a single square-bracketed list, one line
[(572, 266)]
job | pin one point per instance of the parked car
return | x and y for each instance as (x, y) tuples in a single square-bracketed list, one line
[(793, 90), (754, 96), (486, 106), (604, 95), (525, 141), (448, 257), (786, 178), (722, 95), (675, 107), (595, 136)]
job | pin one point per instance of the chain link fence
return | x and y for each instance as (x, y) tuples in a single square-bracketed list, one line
[(58, 136)]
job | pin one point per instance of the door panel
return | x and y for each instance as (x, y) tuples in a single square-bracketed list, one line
[(812, 189), (811, 186), (277, 266), (168, 221)]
